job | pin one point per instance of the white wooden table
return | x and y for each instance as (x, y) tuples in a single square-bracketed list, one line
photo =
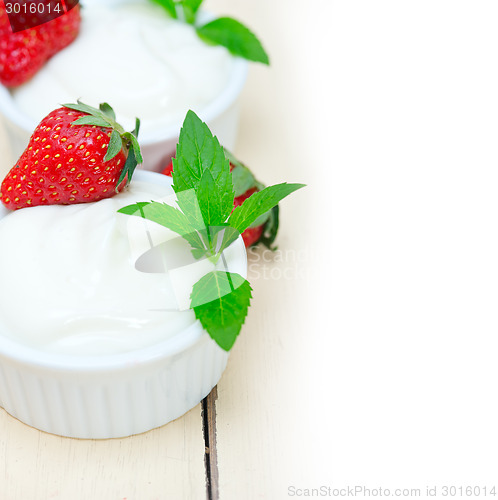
[(251, 417), (369, 355)]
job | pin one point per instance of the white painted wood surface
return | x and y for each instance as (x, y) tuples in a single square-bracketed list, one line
[(370, 357), (165, 463), (261, 438)]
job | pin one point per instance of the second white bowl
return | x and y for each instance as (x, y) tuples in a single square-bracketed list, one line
[(221, 114)]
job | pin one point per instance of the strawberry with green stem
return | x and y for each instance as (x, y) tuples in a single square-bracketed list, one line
[(77, 154)]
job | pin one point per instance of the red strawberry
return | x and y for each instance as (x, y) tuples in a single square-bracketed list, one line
[(77, 154), (22, 54), (245, 185), (169, 169), (252, 234)]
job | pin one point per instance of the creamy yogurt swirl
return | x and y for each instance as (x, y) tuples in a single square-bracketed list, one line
[(136, 58), (72, 277)]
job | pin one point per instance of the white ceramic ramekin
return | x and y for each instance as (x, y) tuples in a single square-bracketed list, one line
[(221, 114), (109, 396)]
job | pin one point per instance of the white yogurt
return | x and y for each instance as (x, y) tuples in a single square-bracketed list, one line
[(135, 57), (70, 282)]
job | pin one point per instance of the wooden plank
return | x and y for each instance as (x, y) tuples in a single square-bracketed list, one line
[(161, 464), (262, 417)]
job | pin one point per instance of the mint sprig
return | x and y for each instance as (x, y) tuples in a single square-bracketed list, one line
[(236, 37), (205, 218), (224, 31)]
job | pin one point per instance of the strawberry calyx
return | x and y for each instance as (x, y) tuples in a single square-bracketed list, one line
[(120, 139)]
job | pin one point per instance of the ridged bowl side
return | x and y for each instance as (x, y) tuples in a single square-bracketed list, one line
[(114, 403)]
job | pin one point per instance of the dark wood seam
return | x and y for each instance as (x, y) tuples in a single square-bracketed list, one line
[(210, 455)]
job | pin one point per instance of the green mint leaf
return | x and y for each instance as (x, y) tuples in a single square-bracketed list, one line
[(193, 4), (262, 219), (115, 146), (189, 205), (169, 217), (236, 37), (169, 5), (210, 200), (214, 286), (135, 209), (220, 301), (256, 205), (190, 8), (198, 150)]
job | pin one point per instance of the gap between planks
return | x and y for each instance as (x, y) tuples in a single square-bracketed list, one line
[(210, 456)]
